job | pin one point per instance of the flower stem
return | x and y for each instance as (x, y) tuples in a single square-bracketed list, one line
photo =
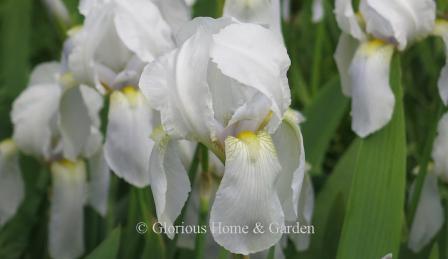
[(271, 253), (204, 198)]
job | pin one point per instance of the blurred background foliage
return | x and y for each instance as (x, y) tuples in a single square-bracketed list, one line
[(30, 35)]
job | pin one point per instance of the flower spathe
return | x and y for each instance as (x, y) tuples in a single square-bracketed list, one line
[(233, 101), (365, 74)]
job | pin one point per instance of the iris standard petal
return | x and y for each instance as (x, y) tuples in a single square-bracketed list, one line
[(429, 216), (142, 29), (262, 66), (372, 98), (247, 195), (180, 91), (34, 115), (127, 141), (289, 145), (347, 19), (98, 188), (401, 21), (175, 12), (169, 180), (12, 190), (345, 51), (440, 150), (66, 226)]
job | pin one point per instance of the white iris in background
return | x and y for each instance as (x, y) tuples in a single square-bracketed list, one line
[(118, 38), (441, 30), (429, 216), (365, 50), (57, 121), (226, 87)]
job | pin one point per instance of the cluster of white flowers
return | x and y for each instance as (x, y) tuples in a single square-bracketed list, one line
[(363, 58), (220, 82)]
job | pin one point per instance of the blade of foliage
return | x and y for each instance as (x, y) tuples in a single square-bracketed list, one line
[(108, 249), (15, 22), (374, 217), (323, 117)]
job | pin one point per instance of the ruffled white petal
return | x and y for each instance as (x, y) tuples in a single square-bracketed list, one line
[(99, 182), (440, 150), (180, 91), (45, 73), (66, 226), (208, 24), (347, 19), (169, 180), (372, 98), (262, 66), (74, 123), (142, 29), (128, 144), (289, 144), (429, 216), (12, 190), (34, 115), (399, 20), (345, 51), (247, 194)]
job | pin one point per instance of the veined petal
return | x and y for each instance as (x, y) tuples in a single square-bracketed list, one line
[(441, 30), (262, 12), (12, 190), (208, 24), (180, 92), (347, 19), (34, 115), (345, 51), (440, 150), (74, 122), (429, 216), (66, 226), (99, 182), (45, 73), (262, 66), (399, 20), (127, 142), (247, 194), (289, 145), (306, 208), (132, 20), (372, 98), (169, 181)]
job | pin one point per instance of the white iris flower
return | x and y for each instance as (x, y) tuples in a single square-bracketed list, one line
[(57, 121), (365, 50), (441, 30), (226, 87), (109, 52)]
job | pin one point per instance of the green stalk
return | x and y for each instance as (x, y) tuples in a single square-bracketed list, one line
[(271, 253), (223, 253), (424, 163), (203, 204), (110, 217), (317, 58)]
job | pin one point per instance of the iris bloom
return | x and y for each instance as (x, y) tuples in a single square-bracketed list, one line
[(365, 50), (226, 87), (118, 38), (441, 30), (429, 217), (57, 121)]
